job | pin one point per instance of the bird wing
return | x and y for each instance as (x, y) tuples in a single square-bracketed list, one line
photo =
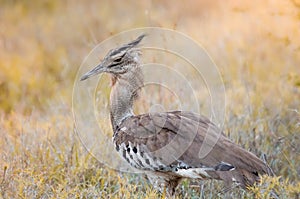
[(178, 140)]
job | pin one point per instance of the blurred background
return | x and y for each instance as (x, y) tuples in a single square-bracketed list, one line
[(43, 43), (255, 44)]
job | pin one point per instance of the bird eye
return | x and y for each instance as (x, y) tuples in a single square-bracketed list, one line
[(118, 60)]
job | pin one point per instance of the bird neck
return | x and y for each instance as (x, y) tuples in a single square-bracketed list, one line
[(125, 91)]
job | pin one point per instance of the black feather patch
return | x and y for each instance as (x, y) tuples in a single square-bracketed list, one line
[(134, 149), (224, 167)]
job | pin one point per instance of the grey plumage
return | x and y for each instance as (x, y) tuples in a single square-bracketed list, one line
[(166, 145)]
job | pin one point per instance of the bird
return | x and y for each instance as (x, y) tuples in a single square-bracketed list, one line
[(165, 145)]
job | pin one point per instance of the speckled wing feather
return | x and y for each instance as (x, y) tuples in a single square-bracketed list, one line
[(171, 142)]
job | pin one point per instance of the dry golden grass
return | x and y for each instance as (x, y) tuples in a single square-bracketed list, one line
[(255, 44)]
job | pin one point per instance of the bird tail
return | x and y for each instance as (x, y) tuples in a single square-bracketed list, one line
[(247, 169)]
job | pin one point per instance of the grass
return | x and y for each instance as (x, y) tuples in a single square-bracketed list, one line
[(42, 43)]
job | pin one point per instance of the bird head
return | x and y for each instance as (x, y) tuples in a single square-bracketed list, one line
[(119, 60)]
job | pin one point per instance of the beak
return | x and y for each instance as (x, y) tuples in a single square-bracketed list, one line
[(95, 71)]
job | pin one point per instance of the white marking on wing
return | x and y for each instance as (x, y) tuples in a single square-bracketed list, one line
[(142, 159), (195, 173), (227, 164), (123, 128), (153, 163)]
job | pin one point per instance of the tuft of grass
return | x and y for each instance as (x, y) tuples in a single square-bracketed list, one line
[(275, 187)]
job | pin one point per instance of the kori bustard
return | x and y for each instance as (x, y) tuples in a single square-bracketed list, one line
[(152, 142)]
